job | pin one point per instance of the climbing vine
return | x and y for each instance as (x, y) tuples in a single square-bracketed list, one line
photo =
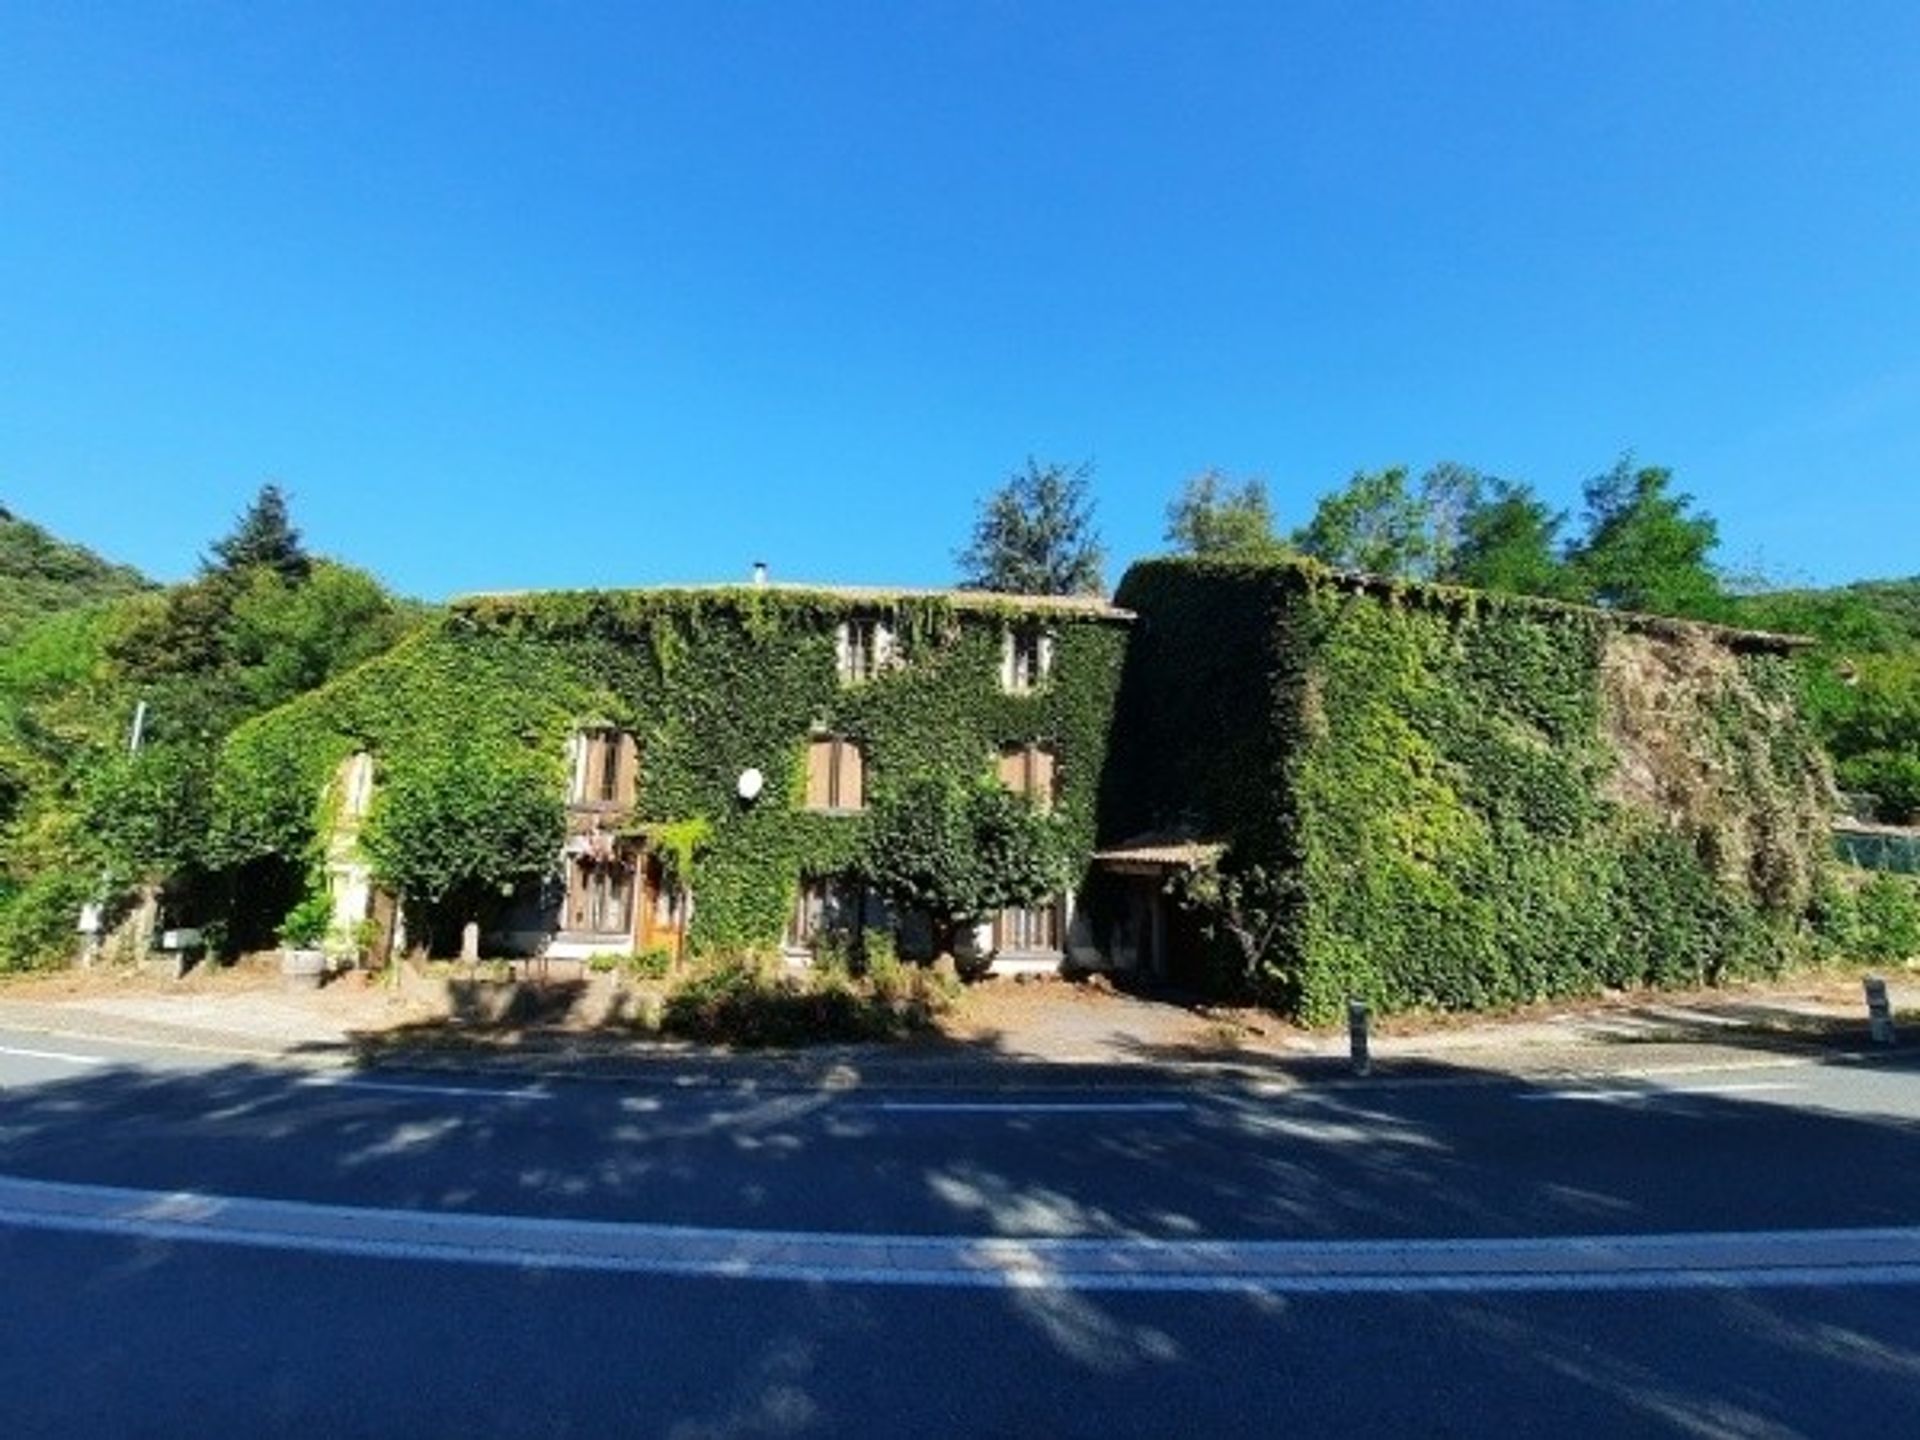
[(1474, 800), (711, 682)]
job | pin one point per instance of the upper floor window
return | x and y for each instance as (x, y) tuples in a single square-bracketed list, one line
[(606, 764), (836, 774), (1026, 659), (1033, 771), (865, 648)]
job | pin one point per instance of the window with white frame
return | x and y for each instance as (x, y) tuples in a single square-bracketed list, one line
[(599, 896), (1026, 659), (865, 648), (606, 765)]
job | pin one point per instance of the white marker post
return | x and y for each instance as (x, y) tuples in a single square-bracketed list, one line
[(1879, 1011)]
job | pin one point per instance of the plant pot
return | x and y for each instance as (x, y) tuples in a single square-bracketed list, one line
[(303, 969)]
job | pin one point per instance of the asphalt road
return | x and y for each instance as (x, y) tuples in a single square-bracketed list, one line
[(195, 1246)]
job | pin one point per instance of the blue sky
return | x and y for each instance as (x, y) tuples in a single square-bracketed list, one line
[(525, 295)]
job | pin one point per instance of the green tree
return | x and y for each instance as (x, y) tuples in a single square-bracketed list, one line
[(263, 536), (1645, 548), (1509, 541), (1035, 535), (1374, 523), (959, 853), (1213, 517), (455, 835)]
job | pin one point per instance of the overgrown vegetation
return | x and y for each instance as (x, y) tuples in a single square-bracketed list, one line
[(711, 683), (84, 814), (754, 1003), (1464, 800)]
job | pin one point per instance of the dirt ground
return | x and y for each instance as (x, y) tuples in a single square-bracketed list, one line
[(248, 1005)]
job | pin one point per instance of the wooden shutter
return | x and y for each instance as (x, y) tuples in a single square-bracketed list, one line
[(1013, 768), (820, 773), (852, 790), (628, 760), (1040, 776)]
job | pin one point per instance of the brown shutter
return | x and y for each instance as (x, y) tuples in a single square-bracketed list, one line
[(853, 777), (629, 771), (1013, 769), (820, 773), (1040, 779)]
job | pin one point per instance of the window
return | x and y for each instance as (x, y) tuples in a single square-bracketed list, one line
[(1026, 659), (1031, 770), (1032, 929), (826, 905), (836, 774), (833, 909), (355, 783), (605, 766), (599, 897), (865, 648)]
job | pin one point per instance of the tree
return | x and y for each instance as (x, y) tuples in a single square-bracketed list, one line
[(1035, 535), (1644, 548), (1212, 517), (1375, 523), (454, 835), (263, 537), (1510, 541), (960, 853)]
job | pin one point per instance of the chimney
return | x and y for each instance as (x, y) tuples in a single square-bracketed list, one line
[(759, 572)]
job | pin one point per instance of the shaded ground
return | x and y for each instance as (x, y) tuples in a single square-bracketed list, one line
[(247, 1008)]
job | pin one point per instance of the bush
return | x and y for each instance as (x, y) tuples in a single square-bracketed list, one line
[(1887, 920), (744, 1002), (306, 924), (38, 922)]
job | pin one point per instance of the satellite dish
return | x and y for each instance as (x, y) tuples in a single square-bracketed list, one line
[(750, 783)]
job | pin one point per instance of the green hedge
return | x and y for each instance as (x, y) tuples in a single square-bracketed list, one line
[(1474, 801)]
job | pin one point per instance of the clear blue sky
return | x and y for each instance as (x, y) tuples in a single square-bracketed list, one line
[(523, 295)]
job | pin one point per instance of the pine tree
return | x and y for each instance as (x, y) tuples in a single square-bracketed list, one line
[(262, 537)]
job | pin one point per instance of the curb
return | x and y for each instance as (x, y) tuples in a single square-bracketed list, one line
[(838, 1069)]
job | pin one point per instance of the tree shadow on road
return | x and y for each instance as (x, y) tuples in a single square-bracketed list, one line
[(834, 1144)]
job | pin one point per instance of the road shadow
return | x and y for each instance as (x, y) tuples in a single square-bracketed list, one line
[(1456, 1153)]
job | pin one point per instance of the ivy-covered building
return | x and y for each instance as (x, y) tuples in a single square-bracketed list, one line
[(1330, 785), (1438, 798), (716, 765)]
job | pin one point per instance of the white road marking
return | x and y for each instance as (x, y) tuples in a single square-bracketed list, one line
[(395, 1087), (1661, 1092), (62, 1056), (1734, 1260), (1026, 1106)]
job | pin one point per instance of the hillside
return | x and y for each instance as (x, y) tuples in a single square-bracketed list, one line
[(41, 576)]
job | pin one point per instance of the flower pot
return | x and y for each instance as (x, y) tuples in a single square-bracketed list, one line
[(303, 969)]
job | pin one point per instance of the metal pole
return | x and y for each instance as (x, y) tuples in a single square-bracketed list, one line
[(139, 730)]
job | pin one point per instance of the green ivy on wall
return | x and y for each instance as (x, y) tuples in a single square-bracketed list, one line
[(712, 682), (1474, 800)]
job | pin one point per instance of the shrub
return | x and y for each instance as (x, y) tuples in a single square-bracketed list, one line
[(1887, 920), (743, 1001), (38, 922), (306, 924)]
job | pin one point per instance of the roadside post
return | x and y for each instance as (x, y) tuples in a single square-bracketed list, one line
[(1879, 1011), (1357, 1039)]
